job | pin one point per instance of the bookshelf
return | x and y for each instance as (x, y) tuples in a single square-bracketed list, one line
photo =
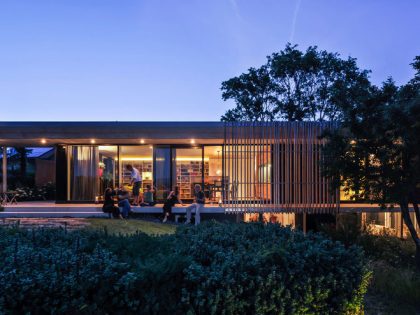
[(189, 173)]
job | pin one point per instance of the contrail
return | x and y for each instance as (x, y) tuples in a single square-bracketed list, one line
[(235, 8), (292, 33)]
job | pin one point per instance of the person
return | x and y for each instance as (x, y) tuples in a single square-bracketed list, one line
[(147, 198), (198, 205), (170, 201), (109, 204), (136, 180), (123, 201)]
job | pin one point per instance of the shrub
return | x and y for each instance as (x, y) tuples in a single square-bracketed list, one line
[(211, 269), (34, 193)]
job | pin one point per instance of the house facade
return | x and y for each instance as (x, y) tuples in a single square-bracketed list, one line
[(247, 168), (273, 166)]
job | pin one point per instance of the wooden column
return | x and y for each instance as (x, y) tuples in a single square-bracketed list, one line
[(4, 168)]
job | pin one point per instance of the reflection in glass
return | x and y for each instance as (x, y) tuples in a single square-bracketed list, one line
[(108, 155), (162, 174)]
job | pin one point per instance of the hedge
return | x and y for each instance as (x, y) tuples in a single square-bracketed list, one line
[(216, 268)]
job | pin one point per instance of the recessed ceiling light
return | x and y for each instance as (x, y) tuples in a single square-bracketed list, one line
[(142, 141), (192, 141), (43, 141), (92, 141)]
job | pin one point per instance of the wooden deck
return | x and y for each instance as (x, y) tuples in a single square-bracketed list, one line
[(53, 210)]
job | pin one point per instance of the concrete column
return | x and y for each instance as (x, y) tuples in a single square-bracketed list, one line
[(4, 168)]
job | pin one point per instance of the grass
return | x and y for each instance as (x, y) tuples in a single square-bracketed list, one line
[(128, 227), (393, 290)]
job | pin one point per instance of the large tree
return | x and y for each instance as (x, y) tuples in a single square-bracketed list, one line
[(295, 86), (374, 154)]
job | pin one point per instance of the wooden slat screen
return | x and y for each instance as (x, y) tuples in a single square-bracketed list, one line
[(275, 167)]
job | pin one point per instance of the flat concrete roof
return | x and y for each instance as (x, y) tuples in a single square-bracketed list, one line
[(110, 132)]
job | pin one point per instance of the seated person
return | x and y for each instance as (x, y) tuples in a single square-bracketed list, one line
[(109, 204), (147, 198), (124, 201)]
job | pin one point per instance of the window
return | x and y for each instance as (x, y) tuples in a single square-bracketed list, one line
[(213, 180), (139, 157)]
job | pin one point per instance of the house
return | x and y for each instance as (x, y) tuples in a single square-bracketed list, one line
[(243, 167)]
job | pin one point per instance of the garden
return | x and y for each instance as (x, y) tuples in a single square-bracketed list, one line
[(215, 268)]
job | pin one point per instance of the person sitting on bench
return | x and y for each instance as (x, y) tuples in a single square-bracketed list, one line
[(147, 198), (198, 205), (109, 204)]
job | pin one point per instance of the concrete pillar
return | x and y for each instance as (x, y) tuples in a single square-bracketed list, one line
[(4, 169)]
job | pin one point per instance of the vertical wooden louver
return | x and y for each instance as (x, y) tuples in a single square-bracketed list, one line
[(276, 167)]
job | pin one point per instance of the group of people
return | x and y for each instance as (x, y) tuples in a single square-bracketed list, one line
[(122, 197)]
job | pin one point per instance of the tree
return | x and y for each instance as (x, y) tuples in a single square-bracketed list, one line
[(295, 86), (252, 92), (374, 154)]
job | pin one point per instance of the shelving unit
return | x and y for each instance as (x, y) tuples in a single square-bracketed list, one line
[(189, 173)]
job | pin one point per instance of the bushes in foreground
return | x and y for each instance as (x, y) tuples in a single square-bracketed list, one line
[(212, 269)]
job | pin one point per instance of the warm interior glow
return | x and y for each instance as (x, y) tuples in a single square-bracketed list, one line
[(192, 141), (136, 158), (43, 141), (92, 141), (142, 141)]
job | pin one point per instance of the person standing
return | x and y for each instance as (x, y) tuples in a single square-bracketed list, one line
[(198, 205), (136, 180)]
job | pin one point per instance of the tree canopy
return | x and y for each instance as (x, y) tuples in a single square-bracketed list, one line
[(375, 152), (295, 86)]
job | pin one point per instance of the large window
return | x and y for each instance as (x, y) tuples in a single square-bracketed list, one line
[(162, 172), (139, 157), (189, 170), (107, 169), (213, 166)]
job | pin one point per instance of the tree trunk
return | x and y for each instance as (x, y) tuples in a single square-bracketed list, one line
[(407, 220)]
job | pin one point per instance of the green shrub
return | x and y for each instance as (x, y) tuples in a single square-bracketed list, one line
[(211, 269)]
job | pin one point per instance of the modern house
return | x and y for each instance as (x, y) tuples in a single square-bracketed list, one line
[(270, 167)]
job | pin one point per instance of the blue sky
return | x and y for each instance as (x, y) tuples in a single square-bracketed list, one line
[(165, 60)]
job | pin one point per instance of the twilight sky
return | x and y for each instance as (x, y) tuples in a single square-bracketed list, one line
[(165, 60)]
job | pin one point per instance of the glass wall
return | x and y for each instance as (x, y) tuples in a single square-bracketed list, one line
[(213, 166), (92, 169), (107, 169), (162, 172), (189, 170), (139, 157)]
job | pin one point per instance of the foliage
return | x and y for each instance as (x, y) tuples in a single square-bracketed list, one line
[(214, 268), (395, 284), (375, 153), (295, 85), (128, 227), (45, 192)]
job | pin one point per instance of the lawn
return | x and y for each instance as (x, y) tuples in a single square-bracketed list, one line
[(128, 227)]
